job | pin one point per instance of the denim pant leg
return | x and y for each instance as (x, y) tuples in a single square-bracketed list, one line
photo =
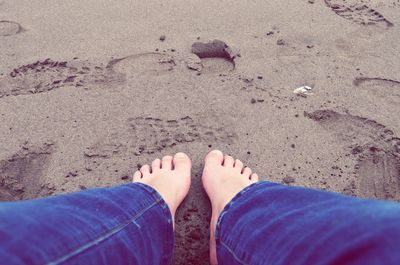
[(269, 223), (128, 224)]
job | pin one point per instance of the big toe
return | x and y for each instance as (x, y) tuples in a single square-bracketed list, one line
[(214, 158), (182, 162)]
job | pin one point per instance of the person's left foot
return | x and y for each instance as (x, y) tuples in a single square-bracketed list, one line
[(169, 176)]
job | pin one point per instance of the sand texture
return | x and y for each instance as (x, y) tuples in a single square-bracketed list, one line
[(90, 90)]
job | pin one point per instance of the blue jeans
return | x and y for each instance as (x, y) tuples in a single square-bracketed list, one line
[(266, 223)]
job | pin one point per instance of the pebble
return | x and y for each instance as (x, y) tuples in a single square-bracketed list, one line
[(280, 42), (288, 180)]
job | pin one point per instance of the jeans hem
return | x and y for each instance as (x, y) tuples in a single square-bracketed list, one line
[(158, 202), (169, 242)]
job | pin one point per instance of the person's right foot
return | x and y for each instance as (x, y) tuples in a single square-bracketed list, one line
[(170, 176), (223, 178)]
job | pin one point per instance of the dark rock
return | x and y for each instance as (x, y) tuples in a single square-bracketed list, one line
[(288, 180), (356, 150), (213, 49), (280, 42)]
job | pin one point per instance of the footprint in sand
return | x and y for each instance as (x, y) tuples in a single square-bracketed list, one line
[(376, 148), (20, 174), (212, 57), (388, 89), (153, 64), (9, 28), (148, 135), (358, 13), (47, 75)]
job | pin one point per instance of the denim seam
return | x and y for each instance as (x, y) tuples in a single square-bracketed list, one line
[(169, 242), (229, 205), (233, 254), (120, 227), (103, 237), (224, 211)]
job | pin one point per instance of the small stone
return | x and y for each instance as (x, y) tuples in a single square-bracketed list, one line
[(253, 101), (82, 187), (72, 174), (260, 77), (280, 42), (288, 180), (356, 150), (194, 63), (162, 38), (124, 177)]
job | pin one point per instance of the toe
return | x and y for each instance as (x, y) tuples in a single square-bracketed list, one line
[(145, 169), (238, 165), (137, 176), (156, 165), (181, 162), (228, 161), (246, 172), (215, 157), (254, 177), (166, 162)]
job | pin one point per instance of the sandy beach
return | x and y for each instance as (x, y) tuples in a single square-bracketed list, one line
[(90, 90)]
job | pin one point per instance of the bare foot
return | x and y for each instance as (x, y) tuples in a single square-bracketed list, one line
[(223, 177), (169, 176)]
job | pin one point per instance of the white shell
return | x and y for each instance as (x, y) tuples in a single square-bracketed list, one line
[(303, 90)]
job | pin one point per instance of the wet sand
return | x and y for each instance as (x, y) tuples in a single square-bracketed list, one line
[(89, 92)]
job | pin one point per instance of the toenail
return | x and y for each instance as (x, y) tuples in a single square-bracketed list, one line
[(217, 152), (180, 155)]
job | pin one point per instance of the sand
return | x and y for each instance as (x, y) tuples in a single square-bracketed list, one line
[(90, 90)]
